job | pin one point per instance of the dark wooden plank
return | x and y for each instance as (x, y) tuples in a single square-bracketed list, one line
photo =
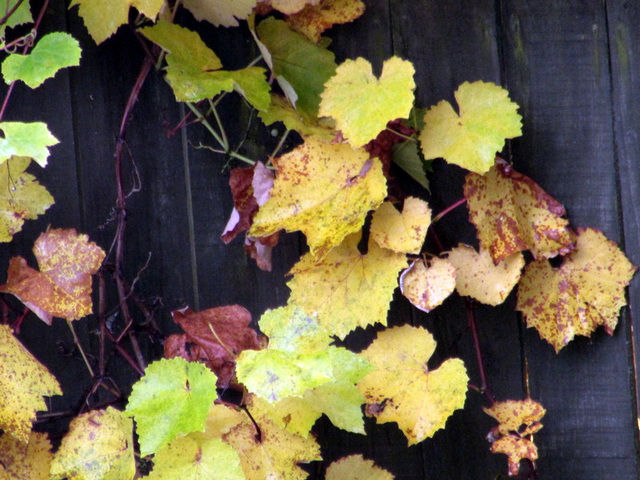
[(556, 68)]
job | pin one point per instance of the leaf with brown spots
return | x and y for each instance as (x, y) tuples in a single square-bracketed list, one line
[(62, 287), (401, 232), (479, 278), (586, 291), (517, 419), (428, 285), (312, 20), (23, 381), (25, 461), (214, 337), (99, 446), (513, 213), (355, 467)]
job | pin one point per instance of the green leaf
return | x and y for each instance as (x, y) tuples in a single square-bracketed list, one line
[(407, 157), (20, 16), (220, 13), (290, 329), (281, 110), (193, 69), (301, 67), (26, 140), (53, 52), (173, 398)]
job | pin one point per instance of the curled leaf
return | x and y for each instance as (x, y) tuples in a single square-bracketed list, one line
[(314, 19), (427, 286)]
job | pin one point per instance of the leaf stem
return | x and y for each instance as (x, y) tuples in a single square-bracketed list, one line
[(214, 111), (207, 125), (79, 345), (484, 385), (462, 201), (283, 138)]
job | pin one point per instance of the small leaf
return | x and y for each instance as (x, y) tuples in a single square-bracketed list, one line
[(407, 157), (25, 460), (26, 140), (401, 232), (98, 446), (427, 286), (355, 467), (314, 19), (172, 399), (23, 381), (224, 14), (471, 138), (52, 53), (361, 104)]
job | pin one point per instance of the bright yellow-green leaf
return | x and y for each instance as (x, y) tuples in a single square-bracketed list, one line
[(427, 284), (401, 232), (103, 17), (25, 460), (23, 381), (53, 52), (347, 289), (274, 453), (281, 110), (323, 190), (314, 19), (355, 467), (224, 13), (21, 197), (361, 104), (479, 278), (26, 140), (404, 390), (99, 446), (20, 16), (471, 137), (173, 398), (586, 291)]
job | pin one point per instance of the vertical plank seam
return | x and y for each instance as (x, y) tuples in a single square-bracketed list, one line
[(189, 194), (628, 314)]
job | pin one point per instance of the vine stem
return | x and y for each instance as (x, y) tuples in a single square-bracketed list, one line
[(77, 342), (484, 385), (462, 201)]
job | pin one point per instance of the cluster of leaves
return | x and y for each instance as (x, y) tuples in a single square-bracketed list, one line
[(352, 125)]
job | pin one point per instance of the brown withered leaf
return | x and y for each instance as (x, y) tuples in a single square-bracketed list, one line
[(427, 286), (62, 287), (214, 337), (513, 213), (586, 291), (516, 448), (312, 20)]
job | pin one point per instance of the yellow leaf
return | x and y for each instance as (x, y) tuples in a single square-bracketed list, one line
[(225, 13), (21, 197), (347, 289), (361, 104), (23, 381), (290, 7), (324, 190), (522, 416), (583, 293), (479, 278), (315, 19), (355, 467), (98, 446), (516, 448), (222, 418), (513, 213), (273, 453), (62, 287), (471, 138), (25, 461), (404, 390), (401, 232), (426, 287)]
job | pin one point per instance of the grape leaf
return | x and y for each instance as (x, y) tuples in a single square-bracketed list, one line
[(401, 232), (24, 381), (312, 20), (517, 419), (21, 197), (301, 67), (172, 399), (196, 457), (20, 16), (471, 138), (407, 157), (333, 288), (272, 453), (62, 287), (361, 104), (220, 419), (355, 467), (324, 190), (404, 390), (224, 14), (281, 110), (290, 7), (586, 291), (513, 213), (52, 53), (102, 18), (98, 446), (26, 140), (25, 461), (193, 69), (427, 286), (479, 278)]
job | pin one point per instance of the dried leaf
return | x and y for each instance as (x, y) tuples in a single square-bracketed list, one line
[(479, 278), (427, 286), (289, 7), (583, 293), (355, 467), (314, 19), (517, 449), (512, 213), (62, 287), (401, 232)]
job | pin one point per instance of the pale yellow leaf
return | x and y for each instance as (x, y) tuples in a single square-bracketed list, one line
[(401, 232), (25, 461), (355, 467), (427, 286)]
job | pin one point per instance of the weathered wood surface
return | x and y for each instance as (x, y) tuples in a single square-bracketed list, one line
[(572, 66)]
